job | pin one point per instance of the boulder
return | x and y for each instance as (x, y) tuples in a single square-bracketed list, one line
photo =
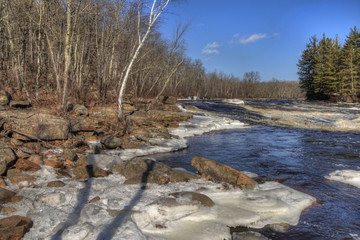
[(6, 195), (112, 142), (81, 110), (89, 171), (217, 172), (181, 176), (148, 177), (41, 125), (141, 168), (27, 165), (20, 104), (5, 98), (14, 227), (7, 157), (194, 196)]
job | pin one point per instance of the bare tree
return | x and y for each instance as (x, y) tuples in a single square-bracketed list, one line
[(155, 11)]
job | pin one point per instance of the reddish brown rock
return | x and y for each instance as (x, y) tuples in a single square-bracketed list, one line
[(217, 172), (54, 162), (36, 159), (89, 171), (16, 176), (27, 165), (14, 227)]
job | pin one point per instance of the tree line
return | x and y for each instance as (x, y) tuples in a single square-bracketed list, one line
[(86, 49), (328, 69)]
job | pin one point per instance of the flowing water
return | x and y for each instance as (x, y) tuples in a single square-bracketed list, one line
[(299, 158)]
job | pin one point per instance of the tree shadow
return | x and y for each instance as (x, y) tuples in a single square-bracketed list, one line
[(82, 200), (110, 230)]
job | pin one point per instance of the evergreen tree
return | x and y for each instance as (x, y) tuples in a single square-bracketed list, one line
[(306, 67), (325, 70), (350, 63)]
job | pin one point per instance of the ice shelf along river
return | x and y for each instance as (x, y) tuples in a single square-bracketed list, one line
[(306, 154)]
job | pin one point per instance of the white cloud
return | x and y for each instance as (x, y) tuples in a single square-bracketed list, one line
[(211, 49), (250, 39)]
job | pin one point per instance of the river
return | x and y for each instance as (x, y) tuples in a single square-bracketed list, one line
[(299, 156)]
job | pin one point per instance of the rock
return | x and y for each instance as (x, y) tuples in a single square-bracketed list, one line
[(27, 165), (181, 176), (217, 172), (54, 184), (112, 142), (89, 171), (69, 155), (54, 162), (5, 98), (81, 110), (6, 195), (141, 167), (194, 196), (14, 227), (148, 177), (16, 176), (7, 157), (41, 125), (36, 159), (20, 104)]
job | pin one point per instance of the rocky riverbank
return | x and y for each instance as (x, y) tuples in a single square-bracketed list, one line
[(66, 176)]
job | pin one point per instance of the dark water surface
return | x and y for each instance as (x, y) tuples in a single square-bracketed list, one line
[(299, 158)]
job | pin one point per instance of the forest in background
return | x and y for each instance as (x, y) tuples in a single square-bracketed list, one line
[(329, 70), (81, 48)]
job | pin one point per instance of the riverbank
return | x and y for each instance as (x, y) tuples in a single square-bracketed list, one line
[(89, 191)]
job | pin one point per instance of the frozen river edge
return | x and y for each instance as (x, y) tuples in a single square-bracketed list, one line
[(138, 212)]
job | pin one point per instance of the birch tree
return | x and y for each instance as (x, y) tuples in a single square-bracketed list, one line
[(155, 11)]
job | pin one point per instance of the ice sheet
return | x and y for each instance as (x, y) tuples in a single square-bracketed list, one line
[(351, 177), (135, 212)]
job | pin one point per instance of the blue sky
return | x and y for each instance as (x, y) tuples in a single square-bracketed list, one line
[(238, 36)]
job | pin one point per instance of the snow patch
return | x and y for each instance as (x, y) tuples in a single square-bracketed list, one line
[(351, 177)]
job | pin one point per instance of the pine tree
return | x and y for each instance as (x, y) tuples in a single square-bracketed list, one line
[(350, 64), (325, 70), (306, 67)]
